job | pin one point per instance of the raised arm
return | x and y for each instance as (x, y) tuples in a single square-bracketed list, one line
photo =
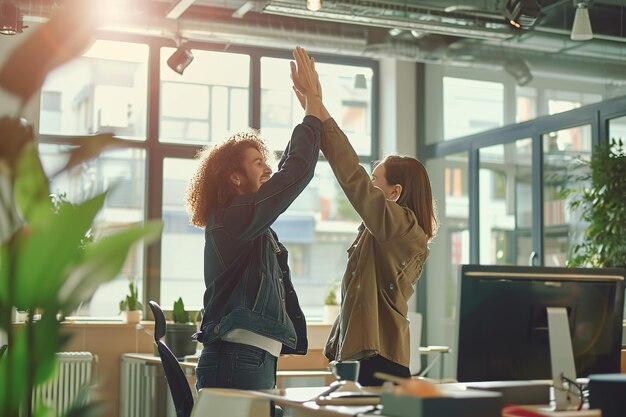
[(249, 215), (385, 219)]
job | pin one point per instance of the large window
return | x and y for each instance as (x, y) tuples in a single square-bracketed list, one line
[(208, 102), (516, 209), (102, 91), (450, 248), (122, 172), (561, 225), (321, 224), (505, 205), (347, 95), (106, 89), (471, 106)]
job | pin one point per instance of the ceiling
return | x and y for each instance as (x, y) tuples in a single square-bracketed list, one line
[(464, 33)]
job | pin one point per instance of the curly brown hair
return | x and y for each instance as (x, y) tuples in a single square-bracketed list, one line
[(211, 186)]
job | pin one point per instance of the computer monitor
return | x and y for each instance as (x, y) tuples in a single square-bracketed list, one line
[(503, 327)]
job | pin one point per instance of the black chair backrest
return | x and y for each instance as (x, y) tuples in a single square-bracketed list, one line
[(181, 393)]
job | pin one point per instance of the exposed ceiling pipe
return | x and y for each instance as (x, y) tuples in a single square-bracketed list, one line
[(353, 40)]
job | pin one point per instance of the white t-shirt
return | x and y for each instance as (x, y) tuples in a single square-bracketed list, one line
[(246, 337)]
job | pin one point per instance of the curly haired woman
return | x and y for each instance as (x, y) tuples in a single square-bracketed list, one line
[(252, 313)]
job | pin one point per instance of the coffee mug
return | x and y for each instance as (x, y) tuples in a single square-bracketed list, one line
[(346, 370)]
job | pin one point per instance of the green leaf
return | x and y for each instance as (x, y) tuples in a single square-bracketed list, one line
[(46, 254), (16, 134), (102, 261), (90, 147), (31, 187)]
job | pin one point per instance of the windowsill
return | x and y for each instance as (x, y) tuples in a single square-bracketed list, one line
[(317, 332), (104, 323)]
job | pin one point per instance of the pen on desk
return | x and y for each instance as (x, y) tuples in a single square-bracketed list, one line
[(388, 377)]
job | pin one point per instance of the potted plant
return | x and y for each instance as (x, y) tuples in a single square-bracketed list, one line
[(331, 305), (44, 265), (130, 306), (178, 335), (600, 203)]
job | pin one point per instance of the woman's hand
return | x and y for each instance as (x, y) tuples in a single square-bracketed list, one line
[(306, 84), (305, 78)]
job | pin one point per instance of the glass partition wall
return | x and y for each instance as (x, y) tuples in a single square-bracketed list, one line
[(514, 211)]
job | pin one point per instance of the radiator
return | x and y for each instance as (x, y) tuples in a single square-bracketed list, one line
[(74, 371), (143, 389)]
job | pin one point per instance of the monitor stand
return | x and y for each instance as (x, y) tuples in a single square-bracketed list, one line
[(562, 360)]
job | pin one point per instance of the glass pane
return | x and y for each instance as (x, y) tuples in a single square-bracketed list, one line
[(180, 240), (526, 104), (560, 150), (617, 128), (317, 229), (558, 106), (448, 251), (505, 205), (561, 100), (102, 91), (347, 95), (122, 172), (208, 102), (471, 106)]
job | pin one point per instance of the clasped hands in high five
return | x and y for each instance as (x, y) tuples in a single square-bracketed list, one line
[(306, 84)]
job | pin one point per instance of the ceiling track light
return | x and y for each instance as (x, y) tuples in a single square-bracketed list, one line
[(581, 28), (522, 14), (519, 70), (181, 58), (11, 20)]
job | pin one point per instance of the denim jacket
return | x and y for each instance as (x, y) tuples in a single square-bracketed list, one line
[(248, 284)]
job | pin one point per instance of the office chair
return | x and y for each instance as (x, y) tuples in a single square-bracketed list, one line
[(176, 380)]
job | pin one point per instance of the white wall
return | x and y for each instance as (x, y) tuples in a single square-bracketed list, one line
[(397, 130)]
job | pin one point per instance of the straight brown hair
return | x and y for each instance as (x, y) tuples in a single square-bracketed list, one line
[(416, 190)]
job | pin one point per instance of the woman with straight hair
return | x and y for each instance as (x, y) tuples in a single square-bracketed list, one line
[(386, 259)]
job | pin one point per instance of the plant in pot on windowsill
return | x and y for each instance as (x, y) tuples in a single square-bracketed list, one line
[(331, 305), (178, 335), (130, 307)]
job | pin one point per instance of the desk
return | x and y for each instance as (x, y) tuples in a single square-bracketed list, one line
[(144, 391), (299, 402)]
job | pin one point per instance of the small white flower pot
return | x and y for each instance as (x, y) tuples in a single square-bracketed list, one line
[(330, 313), (132, 316)]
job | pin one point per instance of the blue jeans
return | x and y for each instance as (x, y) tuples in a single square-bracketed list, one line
[(234, 365)]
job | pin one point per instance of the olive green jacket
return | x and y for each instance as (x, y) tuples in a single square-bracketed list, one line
[(384, 263)]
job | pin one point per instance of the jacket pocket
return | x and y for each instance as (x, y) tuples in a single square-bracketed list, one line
[(257, 298)]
